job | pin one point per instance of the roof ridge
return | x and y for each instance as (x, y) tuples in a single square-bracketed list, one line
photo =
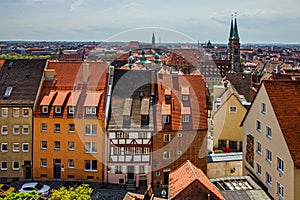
[(192, 169)]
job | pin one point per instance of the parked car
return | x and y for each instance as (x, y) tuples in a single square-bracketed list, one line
[(6, 190), (42, 189)]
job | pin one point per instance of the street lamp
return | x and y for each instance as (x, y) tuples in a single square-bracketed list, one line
[(107, 172)]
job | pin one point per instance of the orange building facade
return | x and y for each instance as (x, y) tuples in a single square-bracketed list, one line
[(69, 122)]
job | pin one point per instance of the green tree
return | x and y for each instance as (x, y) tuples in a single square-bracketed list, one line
[(33, 195), (81, 192)]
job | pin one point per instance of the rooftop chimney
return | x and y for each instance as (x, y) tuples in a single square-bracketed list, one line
[(85, 72)]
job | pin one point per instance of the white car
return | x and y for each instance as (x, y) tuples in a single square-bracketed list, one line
[(42, 189)]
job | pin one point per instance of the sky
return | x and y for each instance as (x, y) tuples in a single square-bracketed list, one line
[(268, 21)]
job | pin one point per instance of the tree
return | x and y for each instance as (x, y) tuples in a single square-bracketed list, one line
[(81, 192), (33, 195)]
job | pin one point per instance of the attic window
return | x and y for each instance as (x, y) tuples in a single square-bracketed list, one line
[(7, 92)]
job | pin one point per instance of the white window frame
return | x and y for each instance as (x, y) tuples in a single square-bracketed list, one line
[(258, 169), (71, 145), (179, 153), (55, 145), (16, 112), (269, 179), (24, 112), (4, 112), (269, 132), (142, 169), (280, 190), (4, 168), (71, 164), (185, 118), (42, 146), (90, 128), (15, 149), (90, 147), (91, 166), (143, 135), (13, 165), (263, 108), (233, 109), (280, 165), (71, 110), (24, 128), (4, 144), (179, 135), (69, 128), (269, 156), (146, 150), (23, 145), (90, 110), (185, 97), (57, 128), (57, 109), (45, 109), (122, 135), (116, 150), (258, 148), (138, 150), (166, 155), (43, 162), (258, 126), (166, 119), (16, 129), (4, 132), (167, 137), (119, 169), (44, 127)]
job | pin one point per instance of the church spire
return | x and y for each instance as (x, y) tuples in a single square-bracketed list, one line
[(153, 41), (231, 28), (235, 34)]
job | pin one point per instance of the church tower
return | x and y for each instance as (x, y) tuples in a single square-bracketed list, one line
[(234, 47), (153, 41)]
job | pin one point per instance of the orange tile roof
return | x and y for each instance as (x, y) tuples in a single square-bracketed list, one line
[(73, 99), (92, 98), (60, 98), (47, 99), (197, 99), (285, 99), (1, 63), (185, 175)]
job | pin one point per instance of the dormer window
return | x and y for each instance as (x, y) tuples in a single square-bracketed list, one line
[(166, 119), (57, 109), (185, 93), (166, 114), (45, 109), (185, 98), (185, 118), (90, 110), (167, 94), (71, 110)]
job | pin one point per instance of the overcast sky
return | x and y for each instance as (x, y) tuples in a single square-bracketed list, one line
[(260, 21)]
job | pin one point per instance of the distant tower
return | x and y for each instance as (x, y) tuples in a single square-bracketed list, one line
[(153, 41), (234, 47)]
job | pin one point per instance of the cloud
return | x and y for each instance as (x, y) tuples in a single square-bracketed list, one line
[(76, 4)]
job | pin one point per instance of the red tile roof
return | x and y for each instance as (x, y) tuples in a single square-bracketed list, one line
[(285, 99), (68, 77), (197, 101), (185, 175)]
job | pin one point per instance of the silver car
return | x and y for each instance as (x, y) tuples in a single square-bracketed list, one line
[(42, 189)]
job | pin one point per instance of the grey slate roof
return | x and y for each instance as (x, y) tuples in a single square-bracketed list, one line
[(24, 76)]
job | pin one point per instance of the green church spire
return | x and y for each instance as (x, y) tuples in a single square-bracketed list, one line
[(235, 34), (231, 28)]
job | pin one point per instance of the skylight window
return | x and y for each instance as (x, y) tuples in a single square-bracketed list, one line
[(7, 92)]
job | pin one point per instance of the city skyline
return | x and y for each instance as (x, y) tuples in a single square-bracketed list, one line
[(187, 21)]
